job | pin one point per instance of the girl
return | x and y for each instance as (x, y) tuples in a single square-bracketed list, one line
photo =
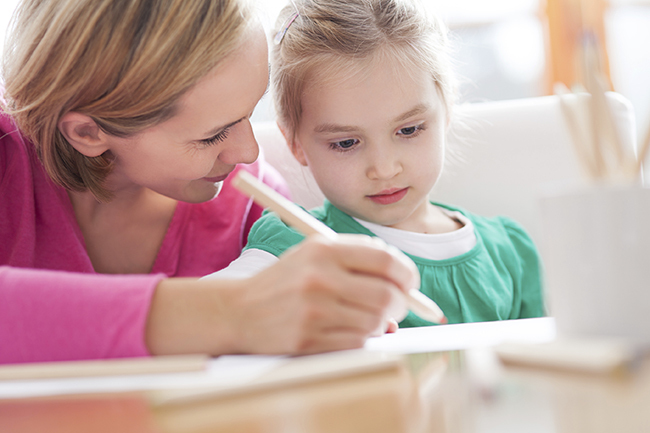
[(121, 123), (364, 94)]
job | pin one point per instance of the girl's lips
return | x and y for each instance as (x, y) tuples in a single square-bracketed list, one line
[(389, 196)]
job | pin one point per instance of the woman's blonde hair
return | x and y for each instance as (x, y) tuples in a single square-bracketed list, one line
[(335, 34), (124, 63)]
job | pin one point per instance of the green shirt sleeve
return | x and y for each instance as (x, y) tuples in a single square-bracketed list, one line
[(270, 234), (528, 280)]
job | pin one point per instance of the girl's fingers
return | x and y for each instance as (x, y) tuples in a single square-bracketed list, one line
[(391, 326)]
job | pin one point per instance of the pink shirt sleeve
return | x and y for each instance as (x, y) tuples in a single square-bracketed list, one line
[(53, 306), (72, 315)]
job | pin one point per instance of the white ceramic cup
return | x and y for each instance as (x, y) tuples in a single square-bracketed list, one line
[(596, 252)]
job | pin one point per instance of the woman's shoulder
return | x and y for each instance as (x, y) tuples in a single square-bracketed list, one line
[(15, 155), (8, 137)]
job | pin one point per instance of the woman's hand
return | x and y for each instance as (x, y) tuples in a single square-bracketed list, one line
[(321, 295)]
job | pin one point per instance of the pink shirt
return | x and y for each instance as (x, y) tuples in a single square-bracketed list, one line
[(53, 305)]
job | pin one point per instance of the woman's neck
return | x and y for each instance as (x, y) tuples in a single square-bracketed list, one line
[(125, 234)]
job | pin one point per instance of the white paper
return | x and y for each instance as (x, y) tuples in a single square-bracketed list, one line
[(239, 370), (464, 336), (225, 371)]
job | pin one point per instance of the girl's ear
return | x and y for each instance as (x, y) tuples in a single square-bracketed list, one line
[(294, 145), (83, 134)]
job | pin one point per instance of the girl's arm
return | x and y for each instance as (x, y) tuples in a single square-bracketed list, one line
[(249, 263)]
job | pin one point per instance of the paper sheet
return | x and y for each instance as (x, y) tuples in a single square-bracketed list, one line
[(464, 336), (240, 370)]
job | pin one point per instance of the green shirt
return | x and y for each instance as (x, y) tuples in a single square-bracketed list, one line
[(500, 278)]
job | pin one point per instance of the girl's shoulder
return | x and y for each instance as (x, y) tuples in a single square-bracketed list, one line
[(497, 231), (271, 234)]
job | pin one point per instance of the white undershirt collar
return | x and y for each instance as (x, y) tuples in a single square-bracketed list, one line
[(429, 246)]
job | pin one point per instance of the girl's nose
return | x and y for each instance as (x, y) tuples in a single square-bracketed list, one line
[(383, 165), (242, 148)]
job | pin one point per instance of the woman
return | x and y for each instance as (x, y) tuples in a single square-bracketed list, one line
[(121, 123)]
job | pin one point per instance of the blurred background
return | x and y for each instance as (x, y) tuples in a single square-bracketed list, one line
[(509, 49)]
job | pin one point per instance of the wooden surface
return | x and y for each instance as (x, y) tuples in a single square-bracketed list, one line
[(423, 393)]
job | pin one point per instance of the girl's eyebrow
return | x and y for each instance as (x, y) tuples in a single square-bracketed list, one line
[(418, 109), (334, 128)]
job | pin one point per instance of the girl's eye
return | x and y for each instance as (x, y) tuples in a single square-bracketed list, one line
[(218, 138), (344, 145), (411, 131)]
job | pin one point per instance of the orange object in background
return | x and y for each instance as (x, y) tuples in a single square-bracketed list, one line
[(569, 22)]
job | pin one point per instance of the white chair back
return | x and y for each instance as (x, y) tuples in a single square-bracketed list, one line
[(501, 156)]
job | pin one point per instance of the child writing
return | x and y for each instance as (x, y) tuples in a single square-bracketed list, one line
[(364, 93)]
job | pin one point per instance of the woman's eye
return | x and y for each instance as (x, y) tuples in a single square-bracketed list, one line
[(218, 138), (344, 145)]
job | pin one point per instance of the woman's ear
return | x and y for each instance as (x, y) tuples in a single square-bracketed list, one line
[(83, 134), (294, 145)]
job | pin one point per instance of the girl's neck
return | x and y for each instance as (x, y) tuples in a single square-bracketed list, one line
[(428, 219)]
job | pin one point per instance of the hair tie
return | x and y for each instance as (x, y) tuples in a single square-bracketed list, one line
[(285, 27)]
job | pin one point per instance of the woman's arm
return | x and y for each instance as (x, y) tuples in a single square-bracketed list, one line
[(320, 296), (54, 315)]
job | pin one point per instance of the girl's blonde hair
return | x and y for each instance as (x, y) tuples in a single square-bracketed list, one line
[(124, 63), (335, 34)]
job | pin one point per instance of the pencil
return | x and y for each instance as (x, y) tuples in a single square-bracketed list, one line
[(305, 223)]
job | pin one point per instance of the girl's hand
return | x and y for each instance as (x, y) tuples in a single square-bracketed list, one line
[(387, 326), (391, 326)]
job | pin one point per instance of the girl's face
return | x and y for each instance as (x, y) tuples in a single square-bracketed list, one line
[(188, 156), (375, 143)]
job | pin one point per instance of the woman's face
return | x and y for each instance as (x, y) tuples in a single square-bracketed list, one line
[(375, 142), (188, 156)]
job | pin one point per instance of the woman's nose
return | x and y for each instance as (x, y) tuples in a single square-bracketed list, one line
[(242, 148)]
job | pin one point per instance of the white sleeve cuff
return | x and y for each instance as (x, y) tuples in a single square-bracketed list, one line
[(249, 263)]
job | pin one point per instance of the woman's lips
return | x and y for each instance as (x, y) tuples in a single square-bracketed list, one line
[(216, 178), (389, 196)]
